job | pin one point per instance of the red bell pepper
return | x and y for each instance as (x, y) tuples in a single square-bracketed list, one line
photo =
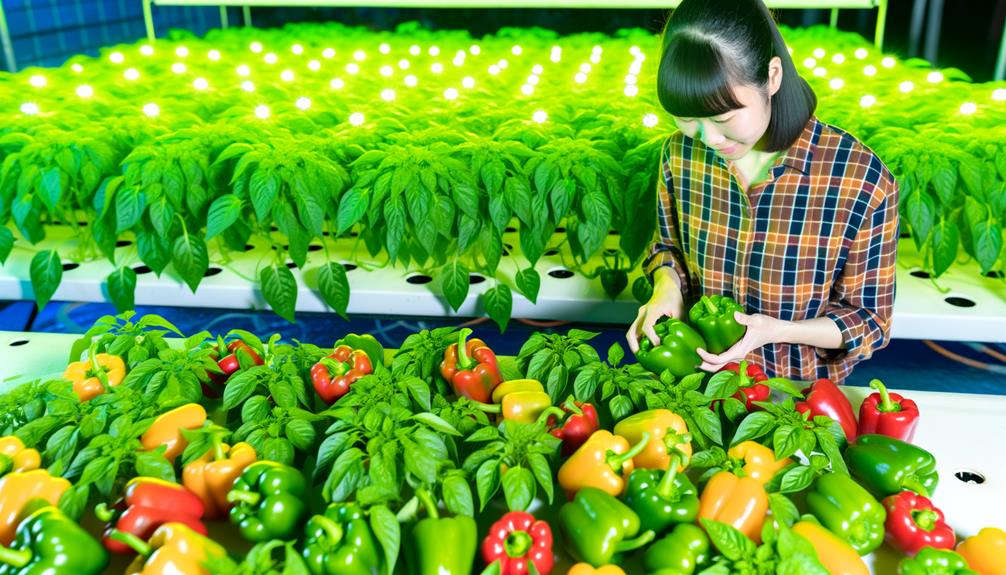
[(471, 368), (913, 523), (516, 540), (333, 375), (750, 381), (229, 364), (578, 421), (888, 414), (825, 398), (147, 504)]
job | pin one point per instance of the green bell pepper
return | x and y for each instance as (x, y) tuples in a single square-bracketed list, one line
[(886, 466), (269, 501), (713, 317), (680, 552), (932, 561), (597, 527), (441, 545), (662, 499), (848, 511), (366, 342), (340, 542), (676, 352), (47, 542)]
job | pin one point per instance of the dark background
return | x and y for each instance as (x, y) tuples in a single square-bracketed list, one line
[(47, 32)]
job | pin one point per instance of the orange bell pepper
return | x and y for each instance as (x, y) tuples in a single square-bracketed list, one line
[(837, 556), (759, 461), (92, 376), (668, 431), (167, 429), (604, 462), (740, 502), (985, 552), (588, 569), (14, 457), (173, 549), (212, 475), (18, 489)]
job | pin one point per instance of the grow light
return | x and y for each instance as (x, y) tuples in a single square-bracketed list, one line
[(256, 47), (297, 49), (585, 68), (650, 120), (353, 68), (147, 50), (636, 67), (132, 74), (503, 64), (387, 70), (836, 83), (116, 57), (37, 81), (182, 52), (968, 108), (248, 86), (359, 55), (328, 53), (286, 75), (213, 55), (516, 50), (29, 108), (906, 86), (243, 70), (634, 50), (538, 69), (819, 53), (474, 50), (415, 50), (999, 94), (384, 48), (262, 111), (200, 84), (867, 100), (404, 64), (468, 82), (314, 65), (271, 58), (437, 68), (820, 72), (77, 68), (434, 51), (595, 58), (809, 63), (494, 70), (580, 77), (85, 91), (870, 70), (631, 91), (303, 103), (887, 62), (631, 79), (533, 80), (411, 81), (540, 116), (356, 118), (838, 59), (935, 77), (527, 89), (152, 110), (178, 68), (337, 84), (451, 93), (861, 53), (387, 94)]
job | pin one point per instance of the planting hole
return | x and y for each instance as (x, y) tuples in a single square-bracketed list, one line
[(510, 229), (70, 266), (613, 232), (561, 273), (552, 253), (212, 271), (475, 279), (249, 247), (326, 234), (560, 230), (994, 274), (920, 274), (81, 224), (611, 252), (970, 477), (959, 301), (419, 279), (273, 229), (905, 235), (291, 265), (313, 248), (348, 266), (353, 234), (123, 243), (140, 270), (18, 342)]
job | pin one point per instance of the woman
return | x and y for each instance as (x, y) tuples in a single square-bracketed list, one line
[(793, 218)]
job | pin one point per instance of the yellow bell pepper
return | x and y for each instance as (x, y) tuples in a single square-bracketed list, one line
[(604, 462), (92, 376), (985, 552), (740, 502), (759, 461), (515, 385), (174, 548), (211, 476), (18, 489), (668, 432), (14, 457), (837, 556), (167, 429), (588, 569)]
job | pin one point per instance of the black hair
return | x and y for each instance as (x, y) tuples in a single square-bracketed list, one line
[(710, 45)]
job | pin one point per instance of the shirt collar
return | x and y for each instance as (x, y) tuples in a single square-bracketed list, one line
[(801, 153)]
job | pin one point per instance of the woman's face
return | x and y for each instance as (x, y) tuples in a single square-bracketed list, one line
[(734, 133)]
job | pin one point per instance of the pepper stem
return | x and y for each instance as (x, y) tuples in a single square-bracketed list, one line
[(558, 412), (913, 484), (517, 544), (103, 513), (6, 463), (241, 496), (711, 306), (925, 518), (15, 557), (616, 460), (135, 543), (742, 374), (487, 407), (886, 405), (464, 362), (331, 528), (428, 503), (335, 367), (630, 544), (666, 486), (218, 449)]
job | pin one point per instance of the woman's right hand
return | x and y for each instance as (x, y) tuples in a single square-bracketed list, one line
[(665, 301)]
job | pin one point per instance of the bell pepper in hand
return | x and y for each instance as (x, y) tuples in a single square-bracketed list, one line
[(340, 542), (268, 501), (889, 414), (92, 376), (603, 462), (519, 406), (517, 539), (211, 476), (470, 368), (740, 502), (167, 429), (676, 352), (579, 422), (668, 433), (848, 511), (368, 343), (18, 489), (823, 397), (680, 552), (837, 556), (14, 457), (147, 504), (932, 561), (885, 466), (713, 317), (759, 462), (749, 380), (662, 499), (985, 552), (441, 545), (48, 542), (588, 569), (597, 527), (913, 523), (333, 375), (173, 549)]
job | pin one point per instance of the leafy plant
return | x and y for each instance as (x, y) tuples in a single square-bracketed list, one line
[(553, 359)]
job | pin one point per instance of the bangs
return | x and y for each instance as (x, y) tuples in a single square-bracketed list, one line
[(693, 79)]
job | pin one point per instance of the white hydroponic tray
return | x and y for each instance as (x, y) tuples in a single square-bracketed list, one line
[(973, 309)]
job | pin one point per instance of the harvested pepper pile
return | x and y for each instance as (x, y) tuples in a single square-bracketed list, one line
[(227, 454)]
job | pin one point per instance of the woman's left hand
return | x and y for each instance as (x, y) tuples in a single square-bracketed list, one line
[(761, 330)]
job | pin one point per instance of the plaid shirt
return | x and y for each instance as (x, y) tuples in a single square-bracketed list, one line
[(817, 238)]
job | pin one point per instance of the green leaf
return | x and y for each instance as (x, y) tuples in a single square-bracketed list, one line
[(642, 289), (352, 207), (615, 354), (458, 495), (46, 273), (518, 488), (388, 533), (621, 407), (585, 385), (263, 188), (51, 187), (129, 205), (334, 287), (921, 213), (755, 425), (240, 387), (73, 502), (528, 283), (436, 423), (154, 464), (783, 385), (721, 385), (122, 288), (279, 450), (946, 240), (988, 241), (498, 303), (562, 195), (487, 481), (797, 479), (783, 509), (224, 211), (785, 441), (279, 288), (730, 542), (542, 473), (6, 243), (801, 564), (162, 215), (826, 441), (191, 259), (300, 433), (455, 280)]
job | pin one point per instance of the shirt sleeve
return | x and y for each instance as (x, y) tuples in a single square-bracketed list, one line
[(666, 251), (862, 299)]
